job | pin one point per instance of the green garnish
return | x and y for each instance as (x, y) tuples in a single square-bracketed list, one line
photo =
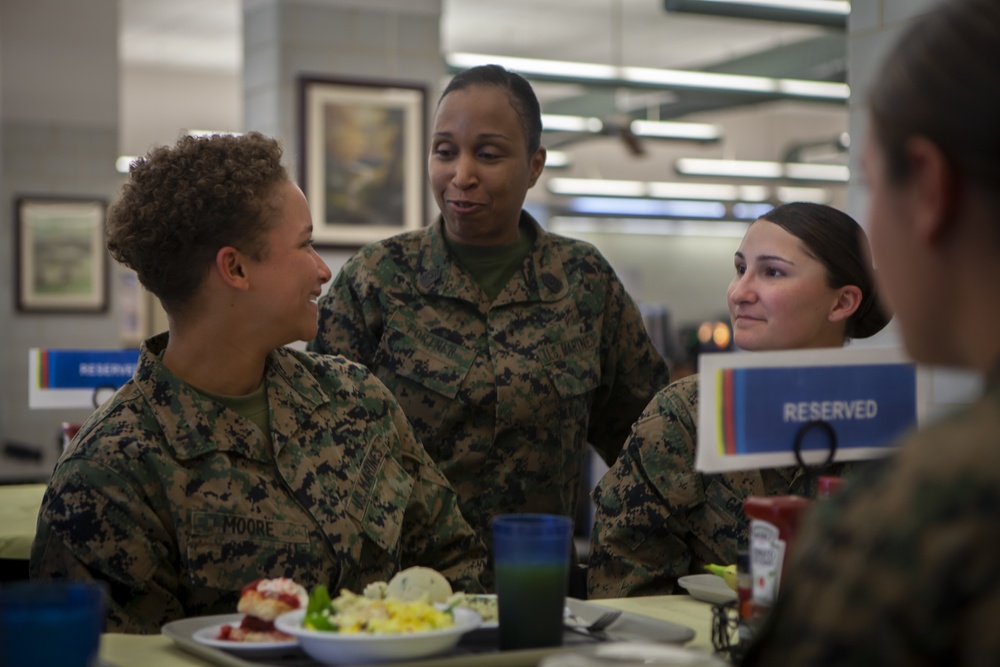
[(319, 600), (317, 611)]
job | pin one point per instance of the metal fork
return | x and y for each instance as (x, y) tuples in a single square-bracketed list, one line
[(597, 627)]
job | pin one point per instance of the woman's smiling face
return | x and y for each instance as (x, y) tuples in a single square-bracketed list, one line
[(780, 298), (479, 167)]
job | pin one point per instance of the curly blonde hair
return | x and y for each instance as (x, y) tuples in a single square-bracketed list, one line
[(183, 203)]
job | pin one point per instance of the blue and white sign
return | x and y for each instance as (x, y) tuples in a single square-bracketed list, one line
[(754, 407), (76, 378)]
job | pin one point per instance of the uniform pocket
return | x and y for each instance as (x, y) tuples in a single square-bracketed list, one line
[(379, 499), (227, 551), (573, 366), (419, 356)]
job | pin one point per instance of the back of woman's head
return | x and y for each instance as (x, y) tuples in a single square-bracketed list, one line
[(181, 204), (840, 244), (521, 95), (942, 82)]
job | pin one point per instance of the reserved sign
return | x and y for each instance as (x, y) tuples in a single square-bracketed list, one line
[(755, 408), (73, 378)]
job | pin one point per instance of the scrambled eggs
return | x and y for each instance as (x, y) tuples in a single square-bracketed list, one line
[(351, 614)]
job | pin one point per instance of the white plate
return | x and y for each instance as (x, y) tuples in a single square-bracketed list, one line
[(708, 588), (632, 653), (333, 648), (206, 636)]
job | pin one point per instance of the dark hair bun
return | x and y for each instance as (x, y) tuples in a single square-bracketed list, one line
[(868, 322)]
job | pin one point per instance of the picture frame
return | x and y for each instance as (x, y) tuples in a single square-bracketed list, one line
[(61, 263), (362, 147)]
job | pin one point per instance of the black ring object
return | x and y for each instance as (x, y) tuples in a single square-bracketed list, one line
[(97, 392), (800, 436)]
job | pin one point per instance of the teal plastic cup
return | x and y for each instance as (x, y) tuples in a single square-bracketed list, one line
[(531, 555), (51, 623)]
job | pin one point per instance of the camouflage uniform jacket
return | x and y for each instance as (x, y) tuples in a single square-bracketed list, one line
[(903, 567), (177, 502), (504, 395), (656, 518)]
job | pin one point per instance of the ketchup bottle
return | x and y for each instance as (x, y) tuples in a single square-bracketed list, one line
[(774, 523)]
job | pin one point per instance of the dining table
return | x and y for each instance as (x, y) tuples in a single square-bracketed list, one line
[(19, 505), (121, 650)]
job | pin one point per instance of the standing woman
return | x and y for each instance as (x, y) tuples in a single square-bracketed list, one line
[(228, 456), (903, 567), (509, 348), (803, 279)]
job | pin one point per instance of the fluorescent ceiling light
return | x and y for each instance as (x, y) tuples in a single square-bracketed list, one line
[(817, 172), (717, 228), (814, 195), (739, 168), (596, 187), (715, 192), (746, 211), (209, 133), (556, 159), (560, 123), (614, 206), (599, 187), (841, 7), (675, 130), (759, 169), (124, 162), (642, 128), (827, 13), (647, 76)]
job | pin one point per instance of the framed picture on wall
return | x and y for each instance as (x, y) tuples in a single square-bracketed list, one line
[(362, 158), (61, 261)]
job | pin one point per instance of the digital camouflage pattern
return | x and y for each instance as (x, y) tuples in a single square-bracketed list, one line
[(504, 395), (657, 518), (903, 567), (178, 502)]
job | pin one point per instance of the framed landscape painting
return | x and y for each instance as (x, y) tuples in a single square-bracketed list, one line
[(61, 261), (362, 152)]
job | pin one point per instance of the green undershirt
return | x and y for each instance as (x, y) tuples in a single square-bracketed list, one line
[(253, 406), (492, 266)]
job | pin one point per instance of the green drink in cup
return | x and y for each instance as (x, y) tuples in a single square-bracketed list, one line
[(531, 558)]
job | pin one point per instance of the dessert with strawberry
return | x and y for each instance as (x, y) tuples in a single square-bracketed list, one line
[(262, 601)]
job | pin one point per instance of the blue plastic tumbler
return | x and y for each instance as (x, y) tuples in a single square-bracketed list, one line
[(50, 623), (531, 558)]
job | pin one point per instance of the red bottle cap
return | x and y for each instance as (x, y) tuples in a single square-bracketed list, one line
[(828, 485)]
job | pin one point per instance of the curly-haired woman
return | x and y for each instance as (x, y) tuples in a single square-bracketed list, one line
[(229, 457)]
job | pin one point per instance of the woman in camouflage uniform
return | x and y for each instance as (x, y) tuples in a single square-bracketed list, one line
[(803, 280), (508, 347), (903, 567), (229, 457)]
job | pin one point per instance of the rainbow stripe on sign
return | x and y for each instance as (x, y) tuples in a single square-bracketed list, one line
[(761, 410)]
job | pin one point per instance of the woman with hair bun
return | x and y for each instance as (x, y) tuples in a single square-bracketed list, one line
[(803, 280)]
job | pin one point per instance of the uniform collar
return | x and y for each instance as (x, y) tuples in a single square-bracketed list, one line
[(541, 278), (195, 425)]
